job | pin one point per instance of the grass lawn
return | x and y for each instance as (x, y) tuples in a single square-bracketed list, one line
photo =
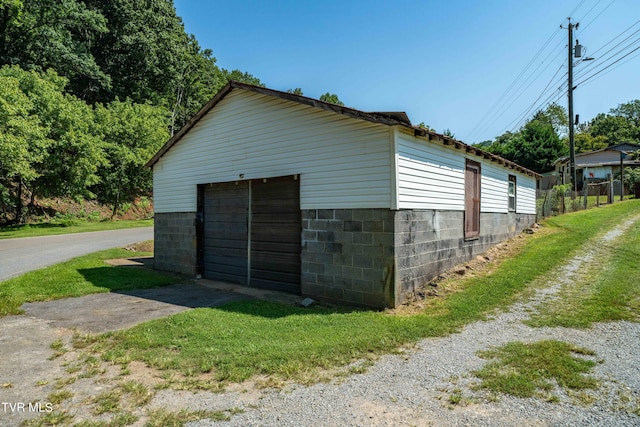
[(47, 229), (244, 339), (610, 292), (84, 275), (515, 368)]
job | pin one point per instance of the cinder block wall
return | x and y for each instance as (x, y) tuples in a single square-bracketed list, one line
[(348, 255), (175, 243), (379, 257), (429, 242)]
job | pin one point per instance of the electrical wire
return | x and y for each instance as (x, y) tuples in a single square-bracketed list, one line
[(509, 96), (608, 66), (586, 82), (597, 16), (506, 106), (608, 56), (535, 106), (498, 102)]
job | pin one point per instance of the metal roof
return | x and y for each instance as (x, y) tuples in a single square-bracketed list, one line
[(385, 118)]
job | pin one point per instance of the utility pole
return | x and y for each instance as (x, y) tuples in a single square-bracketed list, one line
[(572, 147)]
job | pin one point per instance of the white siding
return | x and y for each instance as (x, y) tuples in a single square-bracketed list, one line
[(342, 162), (525, 194), (495, 186), (430, 176)]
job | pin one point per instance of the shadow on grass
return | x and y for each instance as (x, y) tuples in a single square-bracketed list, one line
[(158, 286)]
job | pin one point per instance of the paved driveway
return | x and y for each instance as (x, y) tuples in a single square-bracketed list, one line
[(18, 256)]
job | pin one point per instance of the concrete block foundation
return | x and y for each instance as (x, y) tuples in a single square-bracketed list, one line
[(364, 257), (379, 257), (175, 243)]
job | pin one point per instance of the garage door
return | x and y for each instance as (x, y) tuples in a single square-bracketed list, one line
[(275, 234), (252, 233), (225, 231)]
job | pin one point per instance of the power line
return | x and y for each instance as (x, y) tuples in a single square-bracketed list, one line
[(510, 95), (535, 106), (606, 57), (514, 97), (597, 16), (619, 65), (513, 83), (619, 35), (608, 66)]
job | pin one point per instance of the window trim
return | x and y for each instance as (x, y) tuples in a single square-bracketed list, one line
[(472, 207), (512, 182)]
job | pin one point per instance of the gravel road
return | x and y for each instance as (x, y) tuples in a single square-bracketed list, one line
[(414, 389), (18, 256)]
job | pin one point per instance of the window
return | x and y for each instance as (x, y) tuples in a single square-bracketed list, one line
[(512, 193), (472, 200)]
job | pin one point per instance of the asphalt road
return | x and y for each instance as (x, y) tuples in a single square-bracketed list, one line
[(18, 256)]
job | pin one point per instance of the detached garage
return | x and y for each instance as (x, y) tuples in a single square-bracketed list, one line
[(279, 191)]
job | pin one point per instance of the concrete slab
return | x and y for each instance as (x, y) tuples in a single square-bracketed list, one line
[(120, 310)]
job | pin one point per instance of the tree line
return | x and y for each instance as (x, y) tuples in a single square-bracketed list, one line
[(544, 138), (89, 90)]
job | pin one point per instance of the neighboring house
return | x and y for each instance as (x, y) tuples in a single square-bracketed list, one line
[(596, 166), (279, 191)]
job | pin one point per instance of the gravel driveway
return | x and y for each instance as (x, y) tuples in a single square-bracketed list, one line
[(17, 256)]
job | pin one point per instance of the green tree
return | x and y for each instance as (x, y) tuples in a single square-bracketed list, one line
[(142, 50), (23, 144), (557, 116), (58, 153), (132, 133), (331, 98), (58, 34), (585, 143), (296, 91), (615, 129), (537, 147)]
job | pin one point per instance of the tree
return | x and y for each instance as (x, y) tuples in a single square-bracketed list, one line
[(331, 98), (537, 147), (57, 34), (557, 116), (296, 91), (585, 143), (23, 144), (615, 129), (132, 133), (59, 154)]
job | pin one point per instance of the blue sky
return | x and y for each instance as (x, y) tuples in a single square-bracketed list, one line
[(474, 67)]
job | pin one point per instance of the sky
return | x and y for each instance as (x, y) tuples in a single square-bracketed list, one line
[(475, 67)]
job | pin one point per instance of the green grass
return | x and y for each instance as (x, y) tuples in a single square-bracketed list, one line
[(610, 293), (527, 370), (47, 229), (80, 276), (244, 339), (164, 418)]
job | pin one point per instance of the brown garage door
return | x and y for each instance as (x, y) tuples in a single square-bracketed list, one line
[(252, 233), (275, 234), (226, 206)]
